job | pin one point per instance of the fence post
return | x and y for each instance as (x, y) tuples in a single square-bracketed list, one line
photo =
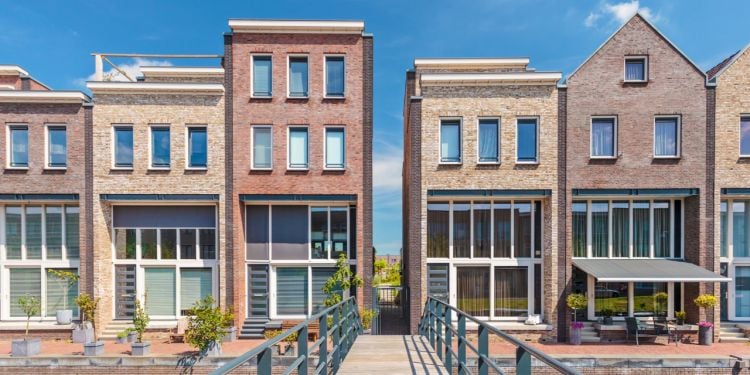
[(448, 358), (431, 321), (439, 331), (302, 349), (483, 349), (336, 338), (461, 344), (523, 361), (264, 361), (323, 348)]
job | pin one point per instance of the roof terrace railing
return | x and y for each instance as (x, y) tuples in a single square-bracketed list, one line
[(101, 58), (437, 325)]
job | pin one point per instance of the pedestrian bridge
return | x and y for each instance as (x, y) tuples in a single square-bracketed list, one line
[(442, 347)]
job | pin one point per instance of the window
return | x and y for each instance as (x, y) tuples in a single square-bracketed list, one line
[(526, 141), (450, 141), (489, 141), (289, 232), (262, 76), (603, 138), (437, 282), (160, 147), (328, 232), (724, 220), (502, 235), (19, 146), (123, 146), (438, 229), (262, 147), (187, 244), (197, 147), (13, 231), (745, 136), (636, 69), (650, 299), (319, 277), (611, 296), (298, 151), (473, 290), (125, 243), (335, 76), (334, 148), (600, 229), (53, 231), (160, 294), (72, 236), (207, 243), (148, 244), (61, 294), (57, 147), (24, 282), (482, 227), (620, 229), (28, 227), (291, 291), (735, 228), (168, 244), (462, 229), (666, 137), (511, 291), (580, 218), (298, 76), (195, 284)]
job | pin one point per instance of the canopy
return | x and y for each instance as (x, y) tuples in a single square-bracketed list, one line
[(653, 270)]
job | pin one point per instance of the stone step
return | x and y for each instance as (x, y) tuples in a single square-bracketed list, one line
[(723, 329), (734, 339), (590, 339), (732, 334)]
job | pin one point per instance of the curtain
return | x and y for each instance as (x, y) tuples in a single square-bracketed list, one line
[(665, 139), (33, 232), (437, 281), (473, 290), (502, 229), (256, 232), (745, 136), (334, 148), (511, 291), (58, 146), (579, 229), (438, 219), (526, 140), (620, 229), (600, 229), (662, 231), (24, 282), (319, 277), (634, 70), (123, 147), (53, 231), (461, 229), (60, 294), (262, 75), (335, 76), (522, 226), (482, 228), (187, 242), (742, 291), (641, 229), (72, 237), (289, 231), (195, 284), (291, 291), (160, 147), (261, 147), (724, 228), (19, 146), (298, 148), (160, 291), (13, 219), (488, 140), (740, 224), (298, 76), (603, 137), (198, 144), (450, 141)]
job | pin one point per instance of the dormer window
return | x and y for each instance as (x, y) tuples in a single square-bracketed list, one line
[(636, 69)]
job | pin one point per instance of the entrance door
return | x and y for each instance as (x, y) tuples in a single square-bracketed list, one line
[(742, 291), (125, 291), (257, 291), (723, 293)]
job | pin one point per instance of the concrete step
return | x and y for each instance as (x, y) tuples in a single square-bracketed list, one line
[(734, 339), (732, 334), (730, 330), (590, 339)]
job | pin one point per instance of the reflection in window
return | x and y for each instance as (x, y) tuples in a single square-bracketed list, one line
[(740, 227), (168, 244), (461, 230), (579, 229), (207, 243), (319, 232), (438, 229), (125, 243), (511, 291), (522, 226), (187, 243), (148, 243), (450, 141), (611, 296), (482, 229), (473, 290), (502, 229), (650, 299)]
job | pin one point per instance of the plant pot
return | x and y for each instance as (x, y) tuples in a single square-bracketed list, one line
[(140, 349), (276, 350), (575, 336), (26, 347), (93, 348), (213, 350), (83, 336), (607, 321), (230, 335), (705, 335), (367, 331), (132, 337), (64, 316), (680, 322), (290, 351), (121, 340)]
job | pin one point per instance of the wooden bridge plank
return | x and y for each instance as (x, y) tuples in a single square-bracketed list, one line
[(391, 355)]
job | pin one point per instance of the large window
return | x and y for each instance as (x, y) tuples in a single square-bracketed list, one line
[(262, 154), (650, 299), (291, 291), (334, 148), (164, 243), (57, 294), (450, 141), (197, 147), (18, 146), (511, 291), (195, 284), (492, 290), (328, 232), (262, 76), (34, 230), (527, 142), (745, 136), (335, 76), (735, 228), (473, 290), (298, 148), (298, 76), (123, 147), (603, 137), (160, 294), (611, 296), (438, 229), (625, 228), (666, 137), (489, 141), (160, 146), (57, 147)]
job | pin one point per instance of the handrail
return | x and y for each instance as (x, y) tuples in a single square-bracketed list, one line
[(344, 330), (437, 325)]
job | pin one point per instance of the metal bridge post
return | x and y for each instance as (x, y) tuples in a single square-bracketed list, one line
[(523, 361), (302, 349), (439, 331), (431, 321), (461, 344), (448, 358), (323, 348), (264, 361), (483, 349), (337, 339)]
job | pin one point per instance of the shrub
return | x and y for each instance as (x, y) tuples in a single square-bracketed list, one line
[(577, 301), (705, 301), (607, 313), (208, 324), (271, 333), (30, 306), (88, 307), (342, 279), (367, 315), (681, 315), (140, 321)]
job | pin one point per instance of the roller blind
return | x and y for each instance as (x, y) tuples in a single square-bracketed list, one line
[(160, 291), (298, 148), (319, 277), (335, 148), (60, 294), (335, 76), (262, 76), (53, 231), (24, 282), (291, 291), (195, 284)]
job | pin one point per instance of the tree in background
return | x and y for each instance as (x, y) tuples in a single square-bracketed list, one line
[(380, 266)]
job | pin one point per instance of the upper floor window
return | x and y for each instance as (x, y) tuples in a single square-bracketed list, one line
[(745, 136), (335, 76), (636, 69), (666, 137), (334, 148), (603, 137), (298, 148), (197, 147), (262, 146), (19, 146), (160, 147), (262, 78), (489, 141), (57, 147), (527, 140), (123, 146), (450, 141), (298, 76)]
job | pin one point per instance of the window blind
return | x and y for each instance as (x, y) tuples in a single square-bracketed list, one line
[(24, 282), (33, 232), (195, 284), (291, 291), (60, 294), (262, 147), (160, 291), (319, 277), (298, 76), (298, 148), (262, 75), (334, 148), (13, 232), (53, 231), (58, 146), (335, 76), (488, 140)]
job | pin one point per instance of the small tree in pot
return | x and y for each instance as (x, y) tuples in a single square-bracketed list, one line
[(680, 316), (88, 308), (31, 306), (207, 326), (65, 280), (705, 328), (140, 322), (607, 314), (576, 301), (84, 332)]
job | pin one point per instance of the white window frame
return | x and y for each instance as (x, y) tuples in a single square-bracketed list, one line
[(188, 127), (289, 148), (151, 128), (625, 68), (252, 147), (289, 75), (678, 137), (325, 76), (9, 146), (499, 137), (743, 116), (252, 76), (325, 148), (113, 146), (47, 144), (615, 153), (538, 120), (460, 141)]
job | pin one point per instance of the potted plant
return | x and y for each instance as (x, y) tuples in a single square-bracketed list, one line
[(24, 347), (132, 335), (661, 299), (122, 337), (140, 322), (269, 334), (367, 316), (607, 314), (705, 328), (65, 279), (680, 317), (88, 308), (84, 332), (291, 345), (576, 301), (207, 326)]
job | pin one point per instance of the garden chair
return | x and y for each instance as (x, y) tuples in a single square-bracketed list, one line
[(632, 327), (178, 335)]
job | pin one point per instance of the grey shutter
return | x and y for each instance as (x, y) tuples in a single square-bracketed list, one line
[(291, 291)]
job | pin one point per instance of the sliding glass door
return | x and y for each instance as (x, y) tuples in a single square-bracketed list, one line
[(473, 290)]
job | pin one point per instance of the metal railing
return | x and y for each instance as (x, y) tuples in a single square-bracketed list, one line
[(437, 325), (344, 330)]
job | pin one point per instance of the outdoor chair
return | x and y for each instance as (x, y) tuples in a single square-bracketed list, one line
[(178, 335), (634, 328)]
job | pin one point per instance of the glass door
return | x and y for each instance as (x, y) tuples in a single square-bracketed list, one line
[(473, 290), (742, 291), (257, 289), (125, 292)]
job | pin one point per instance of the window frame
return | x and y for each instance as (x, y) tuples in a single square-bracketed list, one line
[(643, 58), (326, 95), (538, 120), (48, 144), (9, 146), (325, 148), (151, 128), (252, 147), (499, 138), (289, 147), (615, 150), (743, 117), (289, 58), (188, 147), (460, 141), (114, 165), (678, 137), (252, 76)]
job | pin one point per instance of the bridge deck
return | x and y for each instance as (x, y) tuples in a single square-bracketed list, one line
[(391, 355)]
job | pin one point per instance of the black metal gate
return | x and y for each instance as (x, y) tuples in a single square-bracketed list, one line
[(390, 304)]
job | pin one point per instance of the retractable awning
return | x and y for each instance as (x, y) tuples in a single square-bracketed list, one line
[(646, 270)]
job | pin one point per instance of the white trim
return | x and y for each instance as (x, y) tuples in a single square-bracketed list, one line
[(326, 128), (252, 147), (151, 150), (113, 147), (181, 71), (289, 147), (12, 70), (289, 75), (155, 87), (458, 63), (188, 127), (39, 96), (643, 58), (9, 146), (499, 137), (739, 139), (296, 26), (538, 120), (517, 78), (678, 137), (252, 75), (325, 76), (460, 141), (730, 63), (615, 154), (47, 145)]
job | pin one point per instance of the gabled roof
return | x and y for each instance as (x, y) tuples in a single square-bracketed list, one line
[(717, 70), (647, 22)]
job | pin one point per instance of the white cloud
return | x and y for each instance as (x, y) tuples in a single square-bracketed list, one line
[(386, 169), (619, 13), (133, 70)]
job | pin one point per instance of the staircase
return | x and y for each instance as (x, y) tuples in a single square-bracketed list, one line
[(252, 328), (589, 333), (731, 333), (113, 328)]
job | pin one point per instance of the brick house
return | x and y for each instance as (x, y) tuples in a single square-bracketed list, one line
[(300, 156), (638, 150), (45, 198), (159, 185), (480, 176)]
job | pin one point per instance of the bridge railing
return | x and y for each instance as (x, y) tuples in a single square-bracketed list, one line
[(437, 325), (346, 326)]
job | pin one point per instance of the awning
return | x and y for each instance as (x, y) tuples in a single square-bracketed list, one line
[(159, 197), (653, 270), (489, 192), (298, 197), (635, 192)]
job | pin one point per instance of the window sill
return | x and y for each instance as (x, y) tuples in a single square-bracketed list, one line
[(634, 81), (159, 168), (488, 162), (55, 168), (666, 157), (335, 169), (270, 96), (196, 168), (17, 168), (121, 168), (327, 97), (261, 169), (297, 169), (297, 97), (450, 163), (603, 157), (527, 162)]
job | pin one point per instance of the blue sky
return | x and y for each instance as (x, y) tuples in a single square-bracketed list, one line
[(53, 41)]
